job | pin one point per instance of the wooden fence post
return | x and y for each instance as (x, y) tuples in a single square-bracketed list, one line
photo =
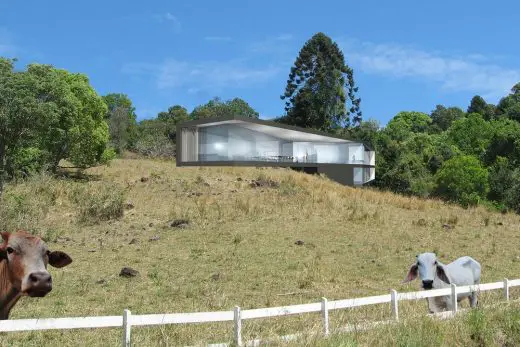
[(238, 326), (506, 289), (454, 297), (325, 315), (395, 304), (127, 326)]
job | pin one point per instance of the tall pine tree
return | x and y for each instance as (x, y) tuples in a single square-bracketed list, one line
[(321, 92)]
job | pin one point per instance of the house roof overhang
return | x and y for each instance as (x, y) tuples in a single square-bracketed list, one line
[(282, 131)]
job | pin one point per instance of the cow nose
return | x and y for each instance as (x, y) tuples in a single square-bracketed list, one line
[(40, 280), (427, 284)]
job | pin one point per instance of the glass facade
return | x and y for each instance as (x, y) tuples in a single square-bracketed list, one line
[(231, 142), (238, 142)]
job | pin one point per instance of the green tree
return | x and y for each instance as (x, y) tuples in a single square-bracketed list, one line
[(153, 139), (319, 84), (479, 105), (443, 117), (504, 142), (509, 106), (217, 108), (471, 134), (175, 114), (123, 131), (512, 192), (500, 180), (366, 132), (118, 126), (75, 127), (404, 124), (88, 132), (462, 179), (401, 162), (21, 113), (440, 151)]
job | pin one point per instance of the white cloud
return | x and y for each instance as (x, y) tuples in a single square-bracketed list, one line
[(276, 45), (169, 18), (284, 37), (161, 18), (209, 76), (471, 73), (218, 38)]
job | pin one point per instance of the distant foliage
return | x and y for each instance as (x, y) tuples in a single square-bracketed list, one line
[(157, 137), (472, 134), (218, 108), (462, 179)]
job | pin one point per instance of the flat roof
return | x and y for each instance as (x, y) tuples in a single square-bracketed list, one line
[(279, 130)]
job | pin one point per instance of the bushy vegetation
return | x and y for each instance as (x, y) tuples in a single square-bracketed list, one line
[(98, 201), (156, 137), (465, 157)]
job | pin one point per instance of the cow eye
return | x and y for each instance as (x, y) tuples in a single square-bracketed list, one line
[(10, 250), (435, 262)]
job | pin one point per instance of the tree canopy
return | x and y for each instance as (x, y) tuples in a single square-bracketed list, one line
[(218, 108), (320, 91), (122, 121), (46, 115)]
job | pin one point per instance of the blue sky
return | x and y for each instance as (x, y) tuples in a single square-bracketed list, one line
[(406, 55)]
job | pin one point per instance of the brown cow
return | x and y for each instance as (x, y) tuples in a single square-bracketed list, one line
[(23, 268)]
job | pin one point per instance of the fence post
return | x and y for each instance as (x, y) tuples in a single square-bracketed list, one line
[(506, 289), (325, 315), (454, 297), (395, 305), (127, 326), (238, 326)]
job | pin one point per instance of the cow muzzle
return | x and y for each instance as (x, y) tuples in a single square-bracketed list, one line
[(39, 284), (427, 284)]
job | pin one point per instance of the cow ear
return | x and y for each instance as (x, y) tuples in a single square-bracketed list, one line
[(5, 236), (3, 252), (59, 259), (441, 273), (412, 274)]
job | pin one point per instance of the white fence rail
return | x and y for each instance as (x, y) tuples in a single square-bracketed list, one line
[(127, 320)]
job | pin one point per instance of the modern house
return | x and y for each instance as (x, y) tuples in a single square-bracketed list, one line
[(239, 141)]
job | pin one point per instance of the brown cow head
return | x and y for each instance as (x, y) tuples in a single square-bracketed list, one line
[(27, 257)]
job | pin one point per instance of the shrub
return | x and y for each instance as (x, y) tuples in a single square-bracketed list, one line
[(26, 162), (108, 154), (155, 146), (25, 205), (98, 202), (462, 179)]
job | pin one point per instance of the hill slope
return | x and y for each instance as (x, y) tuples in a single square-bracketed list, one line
[(238, 248)]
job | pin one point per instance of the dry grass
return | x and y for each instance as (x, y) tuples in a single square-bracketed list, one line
[(238, 249)]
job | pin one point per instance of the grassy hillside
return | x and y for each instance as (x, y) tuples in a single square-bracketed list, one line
[(238, 246)]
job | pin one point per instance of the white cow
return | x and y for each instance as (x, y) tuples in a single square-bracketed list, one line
[(435, 275)]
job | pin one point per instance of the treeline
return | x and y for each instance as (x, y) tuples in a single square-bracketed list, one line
[(467, 156), (48, 115)]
